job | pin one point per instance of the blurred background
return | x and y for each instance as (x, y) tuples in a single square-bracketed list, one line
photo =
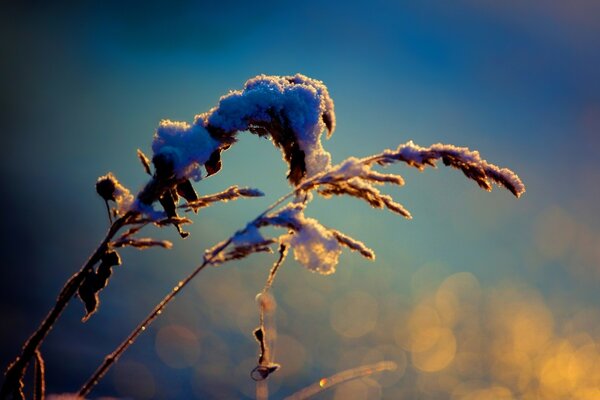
[(480, 296)]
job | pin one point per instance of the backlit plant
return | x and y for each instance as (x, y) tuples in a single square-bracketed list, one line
[(293, 112)]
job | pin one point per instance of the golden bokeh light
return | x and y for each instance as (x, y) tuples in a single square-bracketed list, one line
[(354, 314), (177, 346), (452, 337), (458, 294), (491, 393), (438, 356), (290, 354), (359, 389), (421, 331)]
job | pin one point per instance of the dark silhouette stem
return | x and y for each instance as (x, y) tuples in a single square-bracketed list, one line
[(12, 387), (39, 382)]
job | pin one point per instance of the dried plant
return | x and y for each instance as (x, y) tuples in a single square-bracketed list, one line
[(293, 111)]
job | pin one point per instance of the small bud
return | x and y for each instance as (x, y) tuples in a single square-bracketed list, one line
[(266, 302), (106, 186)]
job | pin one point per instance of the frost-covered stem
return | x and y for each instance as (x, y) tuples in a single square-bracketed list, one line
[(12, 388)]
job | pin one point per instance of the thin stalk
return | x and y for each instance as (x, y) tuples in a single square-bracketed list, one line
[(341, 377), (12, 388)]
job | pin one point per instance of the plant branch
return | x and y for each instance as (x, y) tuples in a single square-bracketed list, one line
[(12, 387), (113, 357)]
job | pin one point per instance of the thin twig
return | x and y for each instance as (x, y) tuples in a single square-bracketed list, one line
[(12, 388), (283, 249)]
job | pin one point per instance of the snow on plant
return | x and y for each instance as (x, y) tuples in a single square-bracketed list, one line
[(294, 112)]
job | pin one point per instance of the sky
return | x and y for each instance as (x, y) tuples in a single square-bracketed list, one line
[(479, 295)]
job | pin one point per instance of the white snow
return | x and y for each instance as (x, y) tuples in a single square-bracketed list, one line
[(189, 145)]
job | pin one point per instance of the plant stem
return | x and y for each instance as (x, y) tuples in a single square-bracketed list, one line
[(12, 388)]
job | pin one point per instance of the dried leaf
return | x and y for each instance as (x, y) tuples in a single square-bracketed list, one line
[(95, 281), (169, 202), (259, 335), (328, 121), (186, 190), (173, 220), (88, 294), (213, 164), (264, 367)]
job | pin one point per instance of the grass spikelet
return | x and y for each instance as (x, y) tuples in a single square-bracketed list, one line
[(231, 193), (142, 243), (145, 161), (353, 244)]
